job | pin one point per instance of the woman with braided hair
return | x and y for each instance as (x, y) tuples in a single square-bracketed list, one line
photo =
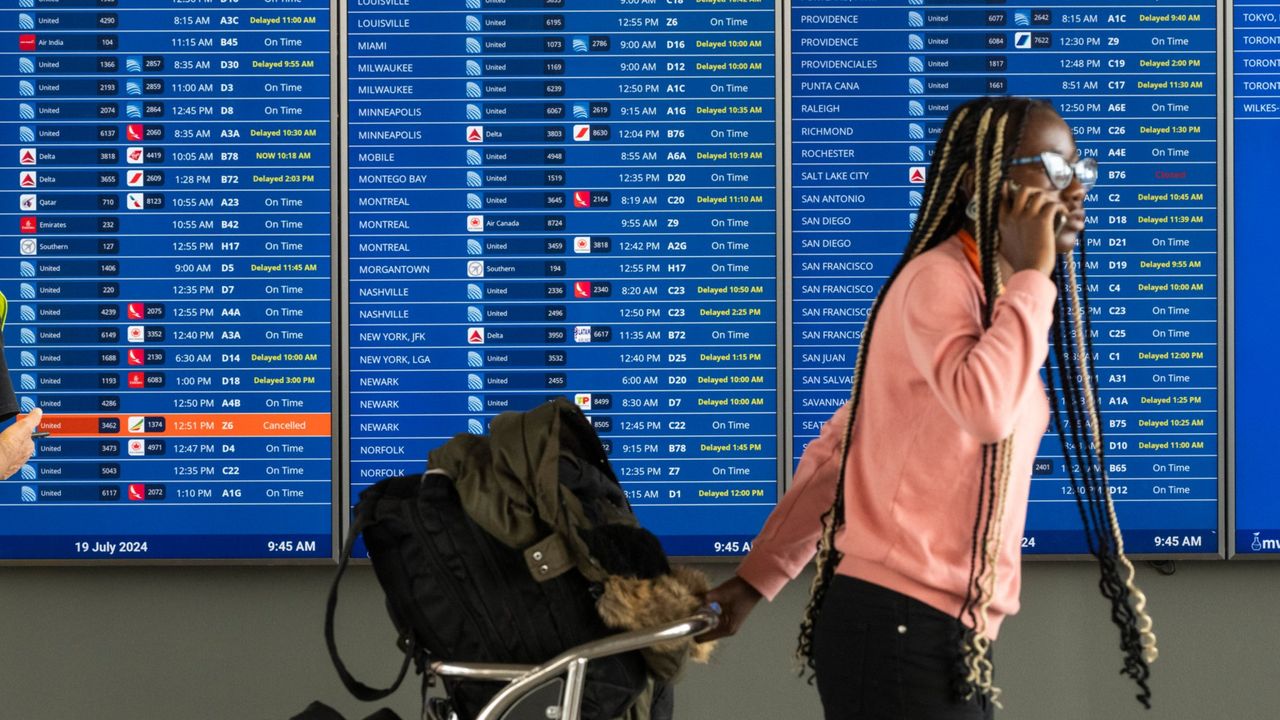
[(915, 493)]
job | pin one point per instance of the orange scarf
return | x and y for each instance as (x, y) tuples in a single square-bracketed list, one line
[(970, 247)]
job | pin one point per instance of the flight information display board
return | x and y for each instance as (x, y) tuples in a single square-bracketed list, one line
[(571, 198), (167, 263), (872, 83), (1255, 66)]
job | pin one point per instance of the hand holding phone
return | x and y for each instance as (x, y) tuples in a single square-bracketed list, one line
[(1030, 220)]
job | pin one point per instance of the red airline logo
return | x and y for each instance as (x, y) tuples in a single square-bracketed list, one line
[(27, 179), (582, 288), (582, 198), (137, 357), (133, 131), (27, 43), (136, 311), (27, 224), (137, 492), (137, 380)]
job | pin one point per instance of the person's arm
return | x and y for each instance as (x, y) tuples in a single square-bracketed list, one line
[(16, 445), (978, 375), (790, 535)]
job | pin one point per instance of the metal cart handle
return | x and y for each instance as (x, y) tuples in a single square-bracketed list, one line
[(572, 663)]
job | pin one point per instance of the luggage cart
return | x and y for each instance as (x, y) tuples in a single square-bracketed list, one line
[(553, 690)]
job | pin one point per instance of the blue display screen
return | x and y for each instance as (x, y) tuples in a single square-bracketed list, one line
[(872, 83), (1256, 107), (571, 198), (168, 269)]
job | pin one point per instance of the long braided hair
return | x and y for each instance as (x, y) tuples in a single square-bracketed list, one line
[(979, 138)]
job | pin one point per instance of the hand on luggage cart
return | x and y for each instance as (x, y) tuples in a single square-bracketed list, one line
[(553, 690)]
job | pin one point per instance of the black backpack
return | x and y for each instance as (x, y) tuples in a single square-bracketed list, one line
[(456, 593)]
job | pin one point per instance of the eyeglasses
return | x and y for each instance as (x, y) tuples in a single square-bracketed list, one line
[(1060, 172)]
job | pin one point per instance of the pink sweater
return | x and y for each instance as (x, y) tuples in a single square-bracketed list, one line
[(937, 387)]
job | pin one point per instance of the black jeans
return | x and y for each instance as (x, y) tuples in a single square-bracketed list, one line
[(881, 655)]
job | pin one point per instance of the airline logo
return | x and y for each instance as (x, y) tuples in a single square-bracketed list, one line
[(582, 289), (582, 245), (137, 447), (475, 336), (582, 198), (137, 424), (916, 174), (582, 333), (133, 132), (475, 268), (582, 133), (27, 202), (475, 223), (135, 178), (28, 246), (133, 155), (136, 311), (27, 179), (136, 334), (26, 156), (27, 224), (475, 133), (27, 43), (582, 400), (137, 356), (134, 201), (137, 380), (137, 492)]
